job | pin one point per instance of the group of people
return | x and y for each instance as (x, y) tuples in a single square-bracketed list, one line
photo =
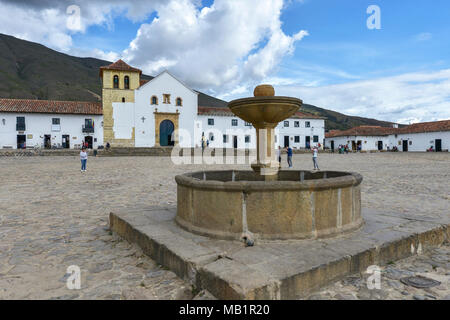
[(289, 151), (343, 149)]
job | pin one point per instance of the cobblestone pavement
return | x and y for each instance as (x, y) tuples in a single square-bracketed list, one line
[(52, 216), (434, 265)]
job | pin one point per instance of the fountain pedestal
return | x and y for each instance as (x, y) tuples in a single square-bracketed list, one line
[(264, 111), (266, 163)]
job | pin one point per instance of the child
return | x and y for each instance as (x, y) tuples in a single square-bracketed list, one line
[(83, 158)]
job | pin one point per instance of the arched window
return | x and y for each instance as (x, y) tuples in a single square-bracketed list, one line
[(179, 102), (123, 99), (154, 100), (127, 82), (116, 82)]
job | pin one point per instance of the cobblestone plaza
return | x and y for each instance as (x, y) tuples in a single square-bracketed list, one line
[(52, 216)]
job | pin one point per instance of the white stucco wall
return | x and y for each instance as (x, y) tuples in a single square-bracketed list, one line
[(317, 128), (368, 143), (164, 83), (223, 126), (420, 142), (37, 125), (417, 142), (123, 115)]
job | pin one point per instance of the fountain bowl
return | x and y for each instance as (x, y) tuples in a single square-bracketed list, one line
[(265, 111), (236, 204)]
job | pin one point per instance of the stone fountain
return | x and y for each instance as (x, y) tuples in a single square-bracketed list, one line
[(268, 203), (272, 208)]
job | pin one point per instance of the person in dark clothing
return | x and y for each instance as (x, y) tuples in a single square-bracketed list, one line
[(289, 156)]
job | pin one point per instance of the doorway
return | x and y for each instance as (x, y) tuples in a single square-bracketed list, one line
[(166, 130), (286, 141), (88, 141), (308, 142), (66, 141), (405, 145), (332, 145), (21, 141), (47, 141), (438, 144), (380, 145), (235, 142)]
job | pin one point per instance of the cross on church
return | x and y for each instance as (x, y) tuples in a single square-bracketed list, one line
[(143, 119)]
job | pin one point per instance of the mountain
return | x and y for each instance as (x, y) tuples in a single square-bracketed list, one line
[(339, 121), (29, 70)]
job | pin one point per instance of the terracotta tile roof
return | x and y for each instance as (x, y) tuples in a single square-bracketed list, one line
[(142, 82), (47, 106), (361, 131), (119, 65), (383, 131), (434, 126), (216, 111)]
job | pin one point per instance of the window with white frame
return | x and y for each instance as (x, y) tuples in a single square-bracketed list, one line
[(234, 122), (247, 139), (286, 124), (296, 124), (297, 139), (210, 122), (225, 138), (307, 124)]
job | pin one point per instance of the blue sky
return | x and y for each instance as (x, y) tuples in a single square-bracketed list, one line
[(414, 37), (318, 50)]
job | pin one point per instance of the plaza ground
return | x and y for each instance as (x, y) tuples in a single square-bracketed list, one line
[(52, 216)]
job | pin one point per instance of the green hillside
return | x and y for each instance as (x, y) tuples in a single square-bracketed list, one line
[(32, 71)]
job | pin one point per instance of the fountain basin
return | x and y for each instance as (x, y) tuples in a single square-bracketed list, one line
[(297, 205)]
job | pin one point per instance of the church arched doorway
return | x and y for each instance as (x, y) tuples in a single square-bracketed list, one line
[(166, 133)]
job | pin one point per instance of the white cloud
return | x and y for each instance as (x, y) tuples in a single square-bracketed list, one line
[(411, 97), (46, 22), (217, 48), (424, 36)]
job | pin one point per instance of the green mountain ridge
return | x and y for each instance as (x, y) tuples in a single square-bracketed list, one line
[(30, 70)]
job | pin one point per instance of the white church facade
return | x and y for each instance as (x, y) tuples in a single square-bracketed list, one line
[(136, 113), (165, 112)]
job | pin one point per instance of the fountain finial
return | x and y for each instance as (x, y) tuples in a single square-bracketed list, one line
[(264, 90)]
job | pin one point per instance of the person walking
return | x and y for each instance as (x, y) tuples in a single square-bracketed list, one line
[(279, 155), (315, 152), (83, 158), (289, 156)]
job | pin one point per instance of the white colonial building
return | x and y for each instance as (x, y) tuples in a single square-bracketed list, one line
[(164, 111), (418, 137), (49, 124), (161, 111)]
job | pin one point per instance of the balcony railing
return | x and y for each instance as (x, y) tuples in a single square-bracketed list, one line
[(88, 129)]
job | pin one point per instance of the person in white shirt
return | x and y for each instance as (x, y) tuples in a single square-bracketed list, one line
[(315, 152), (83, 158)]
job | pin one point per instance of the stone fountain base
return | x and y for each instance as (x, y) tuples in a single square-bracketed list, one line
[(293, 205), (288, 269)]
